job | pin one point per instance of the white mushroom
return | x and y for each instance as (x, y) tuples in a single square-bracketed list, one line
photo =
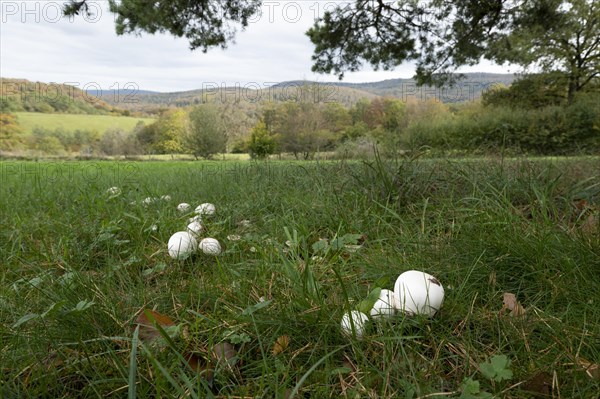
[(418, 293)]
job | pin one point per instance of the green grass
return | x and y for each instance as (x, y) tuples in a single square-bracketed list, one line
[(69, 122), (78, 265)]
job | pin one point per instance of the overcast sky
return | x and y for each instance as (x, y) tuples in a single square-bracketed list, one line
[(36, 44)]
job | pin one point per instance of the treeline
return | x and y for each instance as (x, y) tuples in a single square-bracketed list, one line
[(65, 142), (300, 128), (532, 116)]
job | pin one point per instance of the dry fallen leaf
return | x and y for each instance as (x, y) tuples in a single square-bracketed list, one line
[(280, 345), (590, 225), (147, 320), (199, 365), (581, 205), (511, 303), (224, 352)]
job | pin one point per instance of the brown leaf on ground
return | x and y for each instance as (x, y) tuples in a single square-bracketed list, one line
[(147, 320), (224, 352), (580, 205), (280, 345), (590, 224), (511, 303), (199, 365)]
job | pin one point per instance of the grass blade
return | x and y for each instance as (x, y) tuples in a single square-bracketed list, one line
[(131, 392)]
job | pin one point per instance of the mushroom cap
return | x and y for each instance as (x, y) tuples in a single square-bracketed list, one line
[(210, 246), (417, 292), (356, 318), (181, 245), (385, 306), (206, 208), (184, 207), (195, 227)]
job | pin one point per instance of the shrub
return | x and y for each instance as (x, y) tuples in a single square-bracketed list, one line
[(262, 143), (548, 130)]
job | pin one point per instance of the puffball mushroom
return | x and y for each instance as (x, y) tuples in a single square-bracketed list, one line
[(210, 246), (205, 209), (418, 293), (148, 201), (194, 228), (356, 318), (165, 197), (113, 191), (385, 306), (184, 207), (181, 245), (196, 218)]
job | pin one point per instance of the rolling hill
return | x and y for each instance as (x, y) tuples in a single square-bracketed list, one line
[(468, 89), (153, 101), (21, 95)]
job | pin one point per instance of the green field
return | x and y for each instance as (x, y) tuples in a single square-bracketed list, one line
[(69, 122), (304, 242)]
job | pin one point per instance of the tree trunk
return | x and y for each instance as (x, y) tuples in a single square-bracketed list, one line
[(572, 89)]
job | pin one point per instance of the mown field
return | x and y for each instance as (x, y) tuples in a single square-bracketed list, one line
[(71, 122), (262, 320)]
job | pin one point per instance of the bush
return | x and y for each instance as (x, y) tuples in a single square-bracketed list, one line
[(49, 145), (118, 142), (359, 148), (548, 130), (262, 143)]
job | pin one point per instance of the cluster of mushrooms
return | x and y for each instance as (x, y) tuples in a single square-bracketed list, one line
[(415, 293), (184, 243)]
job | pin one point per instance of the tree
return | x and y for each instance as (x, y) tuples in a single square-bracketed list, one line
[(206, 133), (300, 127), (46, 142), (262, 143), (359, 111), (236, 119), (531, 91), (164, 136), (85, 141), (555, 35), (205, 23), (386, 118), (439, 36), (11, 133), (118, 142), (336, 117)]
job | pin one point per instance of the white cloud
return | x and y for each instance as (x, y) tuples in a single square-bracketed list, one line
[(36, 45)]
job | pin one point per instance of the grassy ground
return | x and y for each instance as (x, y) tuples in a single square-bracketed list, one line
[(78, 265), (30, 120)]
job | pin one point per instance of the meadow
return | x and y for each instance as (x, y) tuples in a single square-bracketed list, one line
[(303, 242), (71, 122)]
